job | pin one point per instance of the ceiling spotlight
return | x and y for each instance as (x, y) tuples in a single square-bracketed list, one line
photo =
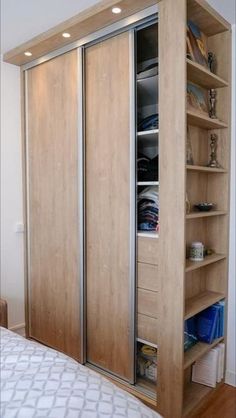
[(116, 10), (28, 54), (66, 35)]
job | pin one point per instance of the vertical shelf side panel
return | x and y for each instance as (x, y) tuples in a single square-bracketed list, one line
[(172, 138)]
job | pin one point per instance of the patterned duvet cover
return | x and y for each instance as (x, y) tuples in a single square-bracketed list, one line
[(37, 381)]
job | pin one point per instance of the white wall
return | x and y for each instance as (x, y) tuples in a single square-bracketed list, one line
[(21, 20)]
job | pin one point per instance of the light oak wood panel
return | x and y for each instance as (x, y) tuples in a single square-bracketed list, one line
[(54, 317), (206, 18), (197, 351), (172, 119), (193, 265), (86, 22), (194, 215), (204, 169), (148, 303), (199, 119), (147, 328), (194, 394), (108, 205), (203, 77), (200, 302), (195, 283), (148, 277), (148, 250)]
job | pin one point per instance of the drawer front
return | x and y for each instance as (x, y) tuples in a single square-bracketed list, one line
[(148, 277), (147, 302), (147, 328), (148, 250)]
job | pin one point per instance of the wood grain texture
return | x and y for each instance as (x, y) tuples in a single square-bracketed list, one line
[(147, 328), (148, 250), (222, 403), (148, 277), (86, 22), (148, 303), (108, 205), (206, 18), (172, 90), (200, 75), (54, 317), (3, 313)]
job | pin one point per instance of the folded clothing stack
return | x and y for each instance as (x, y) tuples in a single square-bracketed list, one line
[(149, 123), (148, 209), (147, 168)]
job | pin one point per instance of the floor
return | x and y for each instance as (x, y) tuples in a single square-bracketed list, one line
[(222, 405)]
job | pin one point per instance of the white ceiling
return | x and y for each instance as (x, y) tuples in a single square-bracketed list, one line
[(23, 19)]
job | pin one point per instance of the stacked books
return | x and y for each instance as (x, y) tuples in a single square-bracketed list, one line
[(206, 326), (209, 369)]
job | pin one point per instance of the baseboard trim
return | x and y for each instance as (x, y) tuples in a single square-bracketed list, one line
[(230, 378), (19, 329)]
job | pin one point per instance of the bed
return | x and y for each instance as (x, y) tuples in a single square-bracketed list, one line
[(37, 381)]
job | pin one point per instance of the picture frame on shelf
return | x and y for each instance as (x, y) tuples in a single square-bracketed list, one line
[(197, 99), (196, 45)]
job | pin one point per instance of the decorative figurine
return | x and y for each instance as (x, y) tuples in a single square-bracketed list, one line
[(213, 160), (212, 110), (189, 152), (212, 62), (188, 204)]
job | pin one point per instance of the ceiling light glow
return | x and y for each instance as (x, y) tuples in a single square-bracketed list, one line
[(66, 35), (28, 54), (116, 10)]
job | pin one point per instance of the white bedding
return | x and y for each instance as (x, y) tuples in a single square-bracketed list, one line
[(37, 381)]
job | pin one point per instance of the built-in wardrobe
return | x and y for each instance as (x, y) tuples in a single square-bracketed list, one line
[(105, 123)]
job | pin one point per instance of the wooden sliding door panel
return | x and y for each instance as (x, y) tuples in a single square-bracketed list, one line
[(52, 152), (108, 205)]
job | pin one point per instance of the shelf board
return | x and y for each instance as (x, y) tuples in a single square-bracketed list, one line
[(139, 340), (194, 265), (194, 394), (146, 384), (148, 183), (148, 90), (147, 234), (206, 18), (205, 169), (196, 215), (200, 75), (200, 302), (197, 351), (203, 121), (148, 138)]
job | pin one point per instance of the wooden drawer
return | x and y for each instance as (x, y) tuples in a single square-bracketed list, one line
[(148, 277), (147, 302), (148, 250), (147, 328)]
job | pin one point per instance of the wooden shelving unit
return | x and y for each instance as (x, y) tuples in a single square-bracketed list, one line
[(201, 75), (200, 302), (197, 215), (197, 351), (204, 169), (205, 122), (194, 394), (210, 259)]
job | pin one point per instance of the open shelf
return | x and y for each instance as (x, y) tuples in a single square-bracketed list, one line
[(147, 234), (203, 77), (206, 18), (148, 90), (197, 351), (194, 394), (139, 340), (196, 215), (200, 302), (207, 170), (194, 265), (148, 138), (148, 183), (205, 122)]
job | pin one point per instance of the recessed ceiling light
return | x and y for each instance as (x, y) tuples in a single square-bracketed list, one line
[(116, 10), (28, 54), (66, 35)]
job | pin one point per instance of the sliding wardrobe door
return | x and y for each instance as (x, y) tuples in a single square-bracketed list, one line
[(52, 177), (109, 224)]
